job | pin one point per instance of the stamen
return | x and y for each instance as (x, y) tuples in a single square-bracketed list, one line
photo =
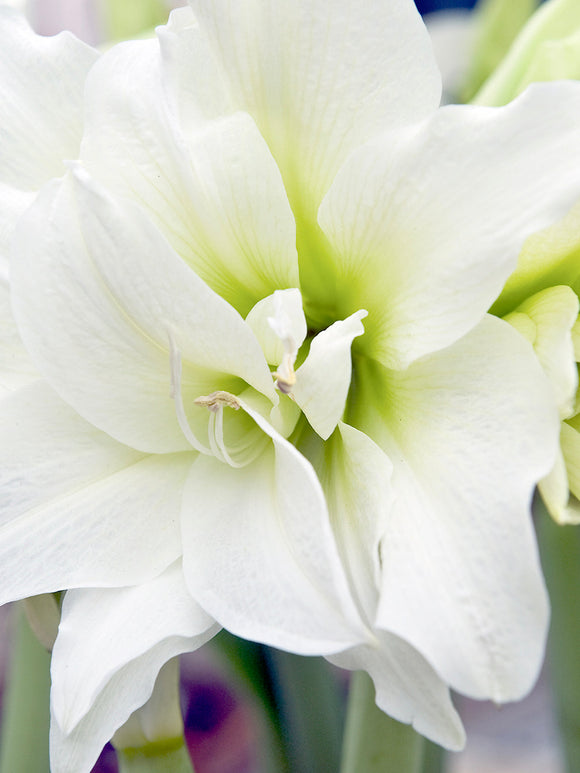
[(175, 392), (217, 400)]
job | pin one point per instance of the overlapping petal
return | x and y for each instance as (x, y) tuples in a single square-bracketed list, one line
[(407, 688), (323, 380), (105, 302), (213, 189), (78, 508), (459, 560), (110, 647), (318, 78), (427, 280), (41, 90), (259, 553)]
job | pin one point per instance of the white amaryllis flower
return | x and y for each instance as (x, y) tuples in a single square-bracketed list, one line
[(264, 188)]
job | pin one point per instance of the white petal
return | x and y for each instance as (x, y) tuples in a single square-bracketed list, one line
[(77, 508), (323, 381), (553, 312), (259, 554), (356, 477), (470, 431), (318, 77), (408, 689), (215, 191), (16, 369), (98, 304), (41, 95), (427, 224), (110, 648), (284, 306), (12, 204)]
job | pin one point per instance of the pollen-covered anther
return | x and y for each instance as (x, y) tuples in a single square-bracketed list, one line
[(217, 400)]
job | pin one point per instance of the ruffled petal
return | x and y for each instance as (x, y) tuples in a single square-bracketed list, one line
[(79, 509), (459, 558), (105, 306), (41, 100), (110, 648), (427, 224), (214, 191), (259, 553), (319, 77), (407, 688)]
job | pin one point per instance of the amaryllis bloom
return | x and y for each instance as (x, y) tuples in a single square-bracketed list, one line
[(264, 391)]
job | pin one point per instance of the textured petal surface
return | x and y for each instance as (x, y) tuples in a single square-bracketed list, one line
[(16, 369), (459, 556), (318, 77), (41, 92), (79, 509), (214, 190), (109, 650), (259, 553), (427, 225), (356, 477), (323, 380), (407, 688), (99, 305)]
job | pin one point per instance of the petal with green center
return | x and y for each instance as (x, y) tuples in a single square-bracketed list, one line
[(213, 190), (110, 647), (79, 509), (323, 380), (459, 556), (319, 76), (407, 688), (259, 554), (405, 215), (104, 307)]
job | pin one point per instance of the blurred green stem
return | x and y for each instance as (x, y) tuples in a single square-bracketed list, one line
[(373, 742), (560, 551), (156, 758), (26, 712), (310, 711)]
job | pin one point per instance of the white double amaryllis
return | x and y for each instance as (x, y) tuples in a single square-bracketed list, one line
[(265, 392)]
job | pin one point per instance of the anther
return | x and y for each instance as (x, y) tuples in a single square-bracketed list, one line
[(217, 400)]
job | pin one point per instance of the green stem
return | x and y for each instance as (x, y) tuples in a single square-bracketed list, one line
[(433, 758), (26, 713), (373, 742), (156, 758), (310, 708), (560, 551)]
